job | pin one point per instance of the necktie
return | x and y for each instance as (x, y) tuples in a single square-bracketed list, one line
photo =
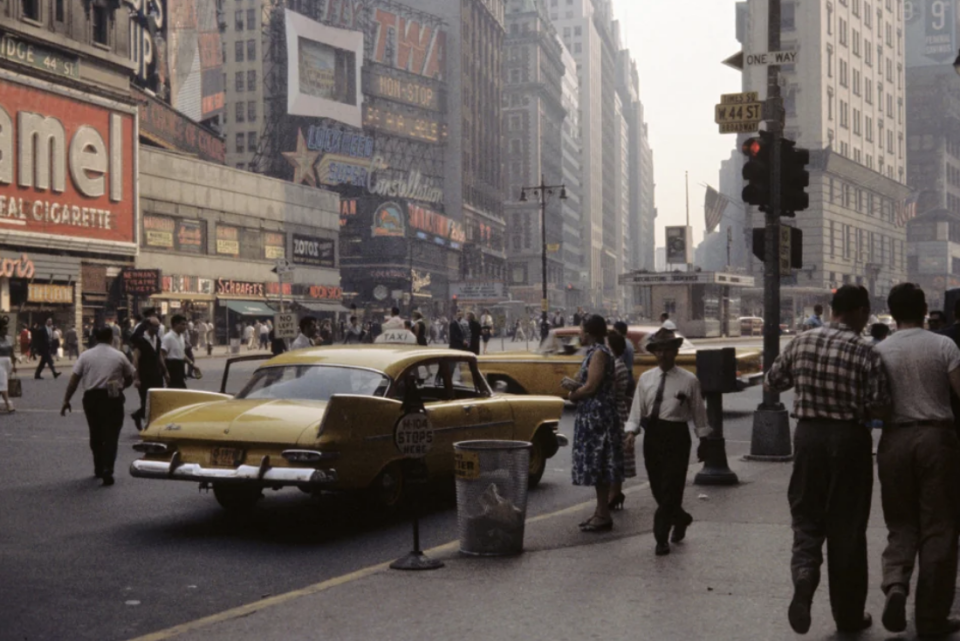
[(658, 400)]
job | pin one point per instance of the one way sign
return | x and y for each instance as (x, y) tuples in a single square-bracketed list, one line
[(771, 58)]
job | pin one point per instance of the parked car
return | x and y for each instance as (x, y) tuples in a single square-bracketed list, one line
[(559, 355), (323, 419)]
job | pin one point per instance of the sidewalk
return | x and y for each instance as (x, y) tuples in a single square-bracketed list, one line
[(729, 580)]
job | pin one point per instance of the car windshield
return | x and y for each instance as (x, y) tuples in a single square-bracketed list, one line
[(313, 382)]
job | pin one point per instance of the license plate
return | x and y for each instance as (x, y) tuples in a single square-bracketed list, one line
[(226, 456)]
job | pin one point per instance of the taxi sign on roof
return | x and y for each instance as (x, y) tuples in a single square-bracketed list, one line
[(396, 337)]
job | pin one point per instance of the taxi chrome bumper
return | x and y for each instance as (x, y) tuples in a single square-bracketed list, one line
[(263, 473)]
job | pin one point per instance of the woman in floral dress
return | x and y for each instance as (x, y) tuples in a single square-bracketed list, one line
[(597, 439)]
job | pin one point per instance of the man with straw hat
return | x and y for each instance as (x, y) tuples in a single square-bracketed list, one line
[(666, 400)]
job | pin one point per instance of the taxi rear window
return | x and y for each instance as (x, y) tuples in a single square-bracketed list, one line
[(313, 382)]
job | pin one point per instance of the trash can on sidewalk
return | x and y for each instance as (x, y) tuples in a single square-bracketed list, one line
[(492, 495)]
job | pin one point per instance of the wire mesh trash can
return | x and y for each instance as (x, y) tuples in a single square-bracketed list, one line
[(491, 495)]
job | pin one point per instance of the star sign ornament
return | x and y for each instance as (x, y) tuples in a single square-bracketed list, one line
[(302, 161)]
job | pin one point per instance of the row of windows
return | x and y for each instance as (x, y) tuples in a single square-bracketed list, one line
[(251, 80), (251, 16), (246, 111), (864, 246), (238, 50), (33, 10), (244, 142)]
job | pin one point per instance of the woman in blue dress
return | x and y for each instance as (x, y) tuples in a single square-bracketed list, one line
[(597, 440)]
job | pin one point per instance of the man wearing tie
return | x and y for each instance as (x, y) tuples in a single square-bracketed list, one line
[(667, 398)]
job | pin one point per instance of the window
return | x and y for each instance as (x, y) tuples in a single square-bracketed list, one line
[(832, 241), (829, 103), (252, 140), (869, 129), (238, 50), (867, 15), (900, 145), (252, 111), (856, 122), (856, 8), (251, 19), (890, 105), (788, 17), (58, 10), (239, 143), (856, 43), (889, 31), (99, 17), (880, 97), (844, 80), (566, 32), (867, 53), (238, 110), (868, 91), (829, 19), (890, 141), (900, 110), (842, 24), (577, 47), (251, 49), (30, 9), (856, 82), (238, 20), (578, 31), (830, 61), (889, 70), (238, 78), (252, 80)]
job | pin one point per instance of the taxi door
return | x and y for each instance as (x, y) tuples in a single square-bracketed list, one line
[(484, 416)]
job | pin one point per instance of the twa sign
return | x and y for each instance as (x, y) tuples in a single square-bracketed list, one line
[(414, 46), (66, 165)]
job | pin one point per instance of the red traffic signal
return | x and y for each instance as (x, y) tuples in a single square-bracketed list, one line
[(756, 171)]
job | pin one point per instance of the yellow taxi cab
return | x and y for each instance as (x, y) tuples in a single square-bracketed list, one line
[(560, 355), (323, 419)]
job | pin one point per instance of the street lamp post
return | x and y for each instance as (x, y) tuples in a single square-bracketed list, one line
[(541, 191)]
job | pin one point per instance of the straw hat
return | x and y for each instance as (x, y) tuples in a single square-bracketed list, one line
[(664, 339)]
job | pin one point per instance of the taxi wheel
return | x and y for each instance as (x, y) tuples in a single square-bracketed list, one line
[(237, 498), (388, 490), (538, 461)]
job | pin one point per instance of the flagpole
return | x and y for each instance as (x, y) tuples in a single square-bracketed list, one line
[(686, 180)]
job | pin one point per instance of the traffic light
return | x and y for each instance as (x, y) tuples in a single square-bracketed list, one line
[(794, 178), (756, 171)]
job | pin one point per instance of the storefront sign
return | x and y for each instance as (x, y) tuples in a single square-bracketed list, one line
[(480, 290), (141, 282), (168, 128), (431, 222), (228, 240), (388, 220), (190, 236), (42, 293), (325, 292), (158, 231), (13, 268), (274, 246), (388, 274), (67, 168), (419, 282), (686, 278), (178, 284), (38, 56), (226, 287), (311, 250)]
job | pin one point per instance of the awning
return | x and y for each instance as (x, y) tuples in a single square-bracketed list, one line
[(323, 306), (248, 308)]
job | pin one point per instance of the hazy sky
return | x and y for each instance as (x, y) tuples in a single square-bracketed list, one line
[(679, 47)]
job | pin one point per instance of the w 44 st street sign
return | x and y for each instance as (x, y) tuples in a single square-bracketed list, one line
[(739, 113)]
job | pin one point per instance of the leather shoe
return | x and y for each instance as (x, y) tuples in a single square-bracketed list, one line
[(662, 549), (942, 629), (799, 612), (137, 422), (895, 609), (108, 480), (680, 529), (56, 375), (856, 626)]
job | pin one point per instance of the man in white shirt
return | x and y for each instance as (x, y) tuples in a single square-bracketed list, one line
[(394, 322), (918, 462), (667, 398), (308, 331), (105, 372), (175, 354)]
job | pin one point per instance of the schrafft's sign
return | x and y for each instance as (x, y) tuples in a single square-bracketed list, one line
[(227, 287), (66, 165)]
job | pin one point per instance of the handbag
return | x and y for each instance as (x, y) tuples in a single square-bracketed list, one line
[(14, 387)]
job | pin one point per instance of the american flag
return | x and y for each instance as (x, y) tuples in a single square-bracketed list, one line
[(906, 209), (714, 205)]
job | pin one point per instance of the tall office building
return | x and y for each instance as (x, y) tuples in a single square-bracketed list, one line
[(574, 252), (243, 74), (844, 100)]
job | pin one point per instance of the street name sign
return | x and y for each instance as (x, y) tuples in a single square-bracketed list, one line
[(771, 58), (739, 98), (746, 112), (740, 127), (283, 266), (413, 435), (285, 325)]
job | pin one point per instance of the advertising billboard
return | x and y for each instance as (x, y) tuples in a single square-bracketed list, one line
[(68, 165), (931, 32), (679, 245), (323, 70)]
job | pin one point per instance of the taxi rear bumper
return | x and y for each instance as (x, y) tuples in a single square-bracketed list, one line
[(263, 473)]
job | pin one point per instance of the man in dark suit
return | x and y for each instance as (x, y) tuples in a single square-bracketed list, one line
[(475, 330), (43, 347), (148, 361), (457, 338)]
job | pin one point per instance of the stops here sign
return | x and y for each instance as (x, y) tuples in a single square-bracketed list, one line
[(413, 435)]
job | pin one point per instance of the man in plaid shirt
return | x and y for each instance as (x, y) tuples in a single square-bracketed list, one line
[(840, 382)]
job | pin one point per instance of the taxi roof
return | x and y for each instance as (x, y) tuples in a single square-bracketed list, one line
[(386, 358)]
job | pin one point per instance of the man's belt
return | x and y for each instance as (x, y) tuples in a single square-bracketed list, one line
[(943, 424)]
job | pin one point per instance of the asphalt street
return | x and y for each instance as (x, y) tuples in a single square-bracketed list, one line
[(80, 561)]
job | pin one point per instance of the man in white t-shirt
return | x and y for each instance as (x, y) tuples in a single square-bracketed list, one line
[(104, 372), (308, 331), (918, 462), (394, 322), (174, 350)]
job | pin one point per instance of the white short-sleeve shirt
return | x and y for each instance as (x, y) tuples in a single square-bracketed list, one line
[(173, 346)]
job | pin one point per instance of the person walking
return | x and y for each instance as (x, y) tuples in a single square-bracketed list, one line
[(839, 383), (419, 328), (8, 363), (42, 346), (353, 334), (175, 356), (627, 357), (25, 343), (475, 333), (667, 398), (56, 344), (816, 319), (459, 335), (597, 433), (72, 342), (617, 344), (918, 463), (395, 321), (148, 363), (486, 328), (104, 373), (264, 336)]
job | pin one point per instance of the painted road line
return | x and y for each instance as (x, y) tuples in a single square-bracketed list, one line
[(269, 602)]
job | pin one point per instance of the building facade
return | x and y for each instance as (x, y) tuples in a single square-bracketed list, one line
[(933, 254), (576, 277)]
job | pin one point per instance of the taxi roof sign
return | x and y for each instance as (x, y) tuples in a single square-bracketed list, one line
[(396, 337)]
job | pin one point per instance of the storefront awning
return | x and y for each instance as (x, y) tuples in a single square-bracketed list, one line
[(323, 306), (248, 308)]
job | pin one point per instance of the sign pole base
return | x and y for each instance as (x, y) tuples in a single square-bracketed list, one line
[(416, 560)]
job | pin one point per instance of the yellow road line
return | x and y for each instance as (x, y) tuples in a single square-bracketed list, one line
[(250, 608)]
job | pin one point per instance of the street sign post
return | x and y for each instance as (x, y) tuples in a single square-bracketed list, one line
[(765, 58), (285, 325), (413, 435), (739, 113)]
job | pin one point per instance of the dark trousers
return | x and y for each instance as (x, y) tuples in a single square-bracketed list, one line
[(919, 470), (178, 373), (666, 454), (104, 419), (146, 384), (829, 494), (45, 359)]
